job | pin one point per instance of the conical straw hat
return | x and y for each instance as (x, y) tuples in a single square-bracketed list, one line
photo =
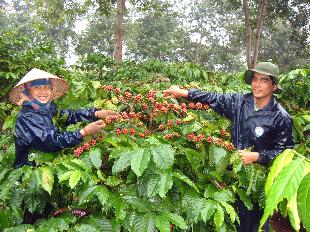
[(59, 86)]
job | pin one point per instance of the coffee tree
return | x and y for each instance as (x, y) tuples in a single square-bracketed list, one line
[(164, 165)]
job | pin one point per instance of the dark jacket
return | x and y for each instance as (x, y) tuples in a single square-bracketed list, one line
[(268, 130), (35, 129)]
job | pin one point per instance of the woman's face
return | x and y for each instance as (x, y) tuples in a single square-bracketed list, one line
[(42, 93)]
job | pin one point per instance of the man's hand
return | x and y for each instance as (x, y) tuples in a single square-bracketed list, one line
[(248, 157), (101, 114), (175, 92), (93, 128)]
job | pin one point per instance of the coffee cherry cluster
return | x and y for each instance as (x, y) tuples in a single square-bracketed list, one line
[(85, 147), (75, 212), (209, 139)]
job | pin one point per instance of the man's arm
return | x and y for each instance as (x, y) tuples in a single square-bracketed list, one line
[(224, 104)]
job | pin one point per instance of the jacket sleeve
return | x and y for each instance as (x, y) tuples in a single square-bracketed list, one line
[(224, 104), (69, 116), (46, 137), (283, 139)]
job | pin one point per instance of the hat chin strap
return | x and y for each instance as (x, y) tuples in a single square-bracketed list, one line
[(36, 104)]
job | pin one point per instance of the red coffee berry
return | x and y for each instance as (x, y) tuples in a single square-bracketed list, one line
[(191, 136), (108, 120), (191, 105), (198, 105), (138, 98), (132, 131), (124, 115), (92, 142), (209, 139), (118, 131), (144, 106), (199, 138), (109, 87), (117, 90), (86, 146), (124, 131), (132, 115), (161, 127), (178, 121), (223, 132), (169, 123), (128, 95)]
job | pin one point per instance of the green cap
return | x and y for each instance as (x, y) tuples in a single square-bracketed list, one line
[(265, 68)]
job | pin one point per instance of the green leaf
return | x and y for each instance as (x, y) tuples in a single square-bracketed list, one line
[(122, 163), (95, 157), (65, 176), (284, 186), (219, 217), (152, 185), (143, 222), (293, 212), (303, 201), (162, 223), (278, 164), (190, 128), (179, 175), (74, 178), (163, 156), (139, 161), (165, 183), (100, 223), (96, 84), (246, 199), (47, 180), (84, 227), (176, 220), (195, 158), (120, 209), (219, 157), (231, 211), (52, 225), (193, 204), (103, 195), (87, 194), (223, 196), (159, 184), (207, 210), (20, 228)]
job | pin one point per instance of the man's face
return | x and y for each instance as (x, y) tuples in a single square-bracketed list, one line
[(42, 93), (262, 85)]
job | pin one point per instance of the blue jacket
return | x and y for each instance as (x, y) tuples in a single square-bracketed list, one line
[(268, 130), (35, 129)]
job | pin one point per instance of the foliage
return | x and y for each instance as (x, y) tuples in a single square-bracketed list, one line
[(164, 166), (288, 180)]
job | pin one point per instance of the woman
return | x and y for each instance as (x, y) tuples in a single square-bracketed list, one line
[(34, 126)]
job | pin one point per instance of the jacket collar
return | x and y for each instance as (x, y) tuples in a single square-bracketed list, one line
[(250, 100), (29, 108)]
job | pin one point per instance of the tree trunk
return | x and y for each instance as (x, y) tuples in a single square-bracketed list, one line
[(262, 14), (252, 55), (118, 51), (248, 32)]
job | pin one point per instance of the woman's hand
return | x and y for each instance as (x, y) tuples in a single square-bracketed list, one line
[(93, 128), (23, 98), (101, 114), (248, 157), (175, 92)]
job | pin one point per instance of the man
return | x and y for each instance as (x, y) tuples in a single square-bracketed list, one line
[(258, 121)]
